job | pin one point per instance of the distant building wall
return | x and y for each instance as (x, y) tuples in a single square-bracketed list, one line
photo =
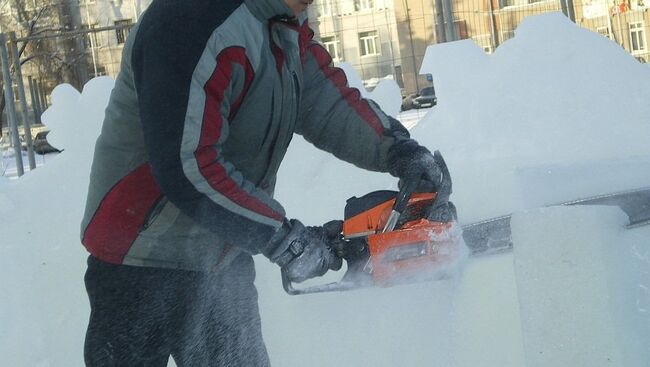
[(105, 48), (379, 38), (418, 24), (362, 33)]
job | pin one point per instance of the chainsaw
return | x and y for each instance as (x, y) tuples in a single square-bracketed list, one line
[(392, 238)]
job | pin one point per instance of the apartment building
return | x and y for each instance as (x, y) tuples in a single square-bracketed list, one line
[(104, 48), (625, 22), (379, 38), (362, 33), (65, 41), (420, 23), (492, 22)]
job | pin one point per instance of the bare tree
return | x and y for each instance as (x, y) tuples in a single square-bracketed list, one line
[(51, 59)]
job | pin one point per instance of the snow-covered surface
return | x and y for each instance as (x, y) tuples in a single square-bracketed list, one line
[(582, 282), (8, 165), (386, 93), (555, 113)]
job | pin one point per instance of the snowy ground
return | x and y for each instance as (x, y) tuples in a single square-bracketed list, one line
[(531, 125), (8, 162)]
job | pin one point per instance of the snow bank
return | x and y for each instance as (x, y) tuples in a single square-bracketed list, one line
[(44, 308)]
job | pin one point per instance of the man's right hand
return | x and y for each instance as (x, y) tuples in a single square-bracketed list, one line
[(409, 161), (307, 252)]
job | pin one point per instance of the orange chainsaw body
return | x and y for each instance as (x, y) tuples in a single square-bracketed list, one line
[(415, 248)]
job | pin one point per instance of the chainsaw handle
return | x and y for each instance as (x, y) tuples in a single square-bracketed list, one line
[(443, 191), (401, 200), (339, 286), (404, 195)]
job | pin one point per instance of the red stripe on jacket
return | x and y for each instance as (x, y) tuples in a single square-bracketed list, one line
[(337, 76), (121, 215), (206, 154)]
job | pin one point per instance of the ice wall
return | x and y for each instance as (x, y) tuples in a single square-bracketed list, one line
[(386, 93), (557, 111), (582, 285)]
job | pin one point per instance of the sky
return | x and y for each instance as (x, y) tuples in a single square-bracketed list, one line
[(556, 113)]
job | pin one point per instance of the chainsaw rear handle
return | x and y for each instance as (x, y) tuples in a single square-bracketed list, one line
[(329, 287), (338, 247), (287, 285), (444, 191)]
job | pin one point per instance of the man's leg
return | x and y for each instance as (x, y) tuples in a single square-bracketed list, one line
[(129, 315), (222, 326)]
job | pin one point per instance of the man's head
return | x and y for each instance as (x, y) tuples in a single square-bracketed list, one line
[(298, 6)]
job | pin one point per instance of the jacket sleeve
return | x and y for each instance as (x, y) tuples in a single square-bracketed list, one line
[(335, 118), (185, 99)]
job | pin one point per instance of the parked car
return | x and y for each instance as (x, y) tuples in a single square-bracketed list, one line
[(407, 101), (42, 146), (426, 98)]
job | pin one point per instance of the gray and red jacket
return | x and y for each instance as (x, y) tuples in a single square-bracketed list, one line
[(209, 95)]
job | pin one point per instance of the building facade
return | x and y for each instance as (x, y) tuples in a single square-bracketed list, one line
[(104, 48), (64, 41), (362, 33), (419, 23), (379, 38)]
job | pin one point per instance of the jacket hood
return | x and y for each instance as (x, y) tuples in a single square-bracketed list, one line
[(267, 9)]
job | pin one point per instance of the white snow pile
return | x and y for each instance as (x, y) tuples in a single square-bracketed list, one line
[(555, 113)]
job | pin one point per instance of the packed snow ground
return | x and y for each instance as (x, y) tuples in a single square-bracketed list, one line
[(8, 162), (555, 113)]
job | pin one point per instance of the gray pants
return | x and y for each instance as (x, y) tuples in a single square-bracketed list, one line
[(140, 316)]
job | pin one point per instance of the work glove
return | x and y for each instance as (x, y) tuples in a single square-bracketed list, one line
[(409, 161), (307, 252)]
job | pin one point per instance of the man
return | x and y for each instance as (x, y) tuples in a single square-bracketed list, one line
[(209, 95)]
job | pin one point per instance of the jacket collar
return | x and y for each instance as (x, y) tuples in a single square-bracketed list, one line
[(267, 9)]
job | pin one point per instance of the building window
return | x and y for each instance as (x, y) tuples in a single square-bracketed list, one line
[(368, 43), (461, 29), (91, 39), (101, 70), (324, 8), (333, 46), (484, 41), (506, 35), (604, 31), (507, 3), (122, 33), (637, 38), (360, 5)]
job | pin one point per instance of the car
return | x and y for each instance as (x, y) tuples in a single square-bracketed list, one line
[(407, 101), (39, 144), (426, 98), (42, 146)]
